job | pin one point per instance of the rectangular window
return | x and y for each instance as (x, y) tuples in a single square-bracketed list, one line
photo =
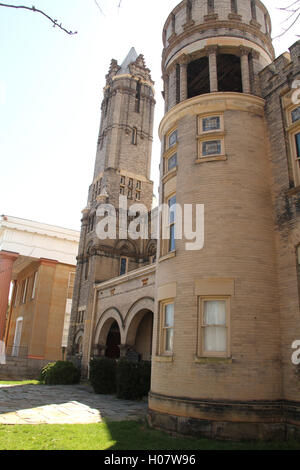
[(122, 180), (234, 6), (139, 185), (210, 6), (122, 190), (130, 183), (34, 285), (253, 9), (296, 114), (129, 195), (297, 138), (24, 290), (173, 139), (212, 147), (172, 216), (138, 196), (16, 293), (134, 136), (172, 162), (123, 266), (214, 327), (212, 123), (167, 328)]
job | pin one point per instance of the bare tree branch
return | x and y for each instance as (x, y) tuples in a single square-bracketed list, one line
[(293, 11), (54, 22), (101, 11)]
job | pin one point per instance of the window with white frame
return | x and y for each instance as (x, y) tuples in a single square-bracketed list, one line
[(214, 326), (167, 327), (172, 217)]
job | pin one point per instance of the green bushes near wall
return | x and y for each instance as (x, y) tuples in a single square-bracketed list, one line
[(59, 373), (129, 380)]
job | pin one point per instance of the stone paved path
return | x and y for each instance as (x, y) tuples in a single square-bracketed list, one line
[(60, 404)]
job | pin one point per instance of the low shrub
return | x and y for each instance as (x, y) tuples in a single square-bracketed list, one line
[(133, 379), (59, 373), (103, 375)]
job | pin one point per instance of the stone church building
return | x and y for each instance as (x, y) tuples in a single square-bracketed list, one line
[(220, 324)]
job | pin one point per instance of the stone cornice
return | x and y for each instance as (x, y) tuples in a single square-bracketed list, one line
[(232, 24)]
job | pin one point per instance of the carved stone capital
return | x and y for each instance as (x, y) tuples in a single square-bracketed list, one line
[(244, 50), (211, 49)]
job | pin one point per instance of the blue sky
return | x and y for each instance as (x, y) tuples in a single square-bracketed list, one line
[(51, 91)]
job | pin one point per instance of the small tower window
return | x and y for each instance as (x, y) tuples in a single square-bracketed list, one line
[(296, 114), (138, 97), (234, 6), (134, 136), (173, 139), (130, 183), (123, 266), (210, 7), (253, 9), (129, 193), (172, 162), (189, 11)]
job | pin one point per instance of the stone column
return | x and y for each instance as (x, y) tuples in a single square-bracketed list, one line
[(213, 68), (6, 266), (244, 51), (183, 78), (166, 80)]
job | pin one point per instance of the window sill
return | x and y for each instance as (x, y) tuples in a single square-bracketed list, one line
[(211, 134), (214, 360), (172, 254), (169, 358), (211, 158)]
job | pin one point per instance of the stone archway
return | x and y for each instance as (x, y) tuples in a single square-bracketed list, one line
[(113, 342), (139, 328)]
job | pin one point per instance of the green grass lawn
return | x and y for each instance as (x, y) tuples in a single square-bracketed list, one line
[(19, 382), (126, 435)]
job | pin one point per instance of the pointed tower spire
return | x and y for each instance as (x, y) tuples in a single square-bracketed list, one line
[(131, 57)]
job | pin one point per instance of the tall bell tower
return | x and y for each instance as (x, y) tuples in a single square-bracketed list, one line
[(122, 168)]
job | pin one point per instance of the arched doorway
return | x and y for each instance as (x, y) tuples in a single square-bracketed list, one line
[(143, 338), (113, 342)]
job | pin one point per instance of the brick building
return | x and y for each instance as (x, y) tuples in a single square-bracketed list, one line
[(218, 322), (38, 261)]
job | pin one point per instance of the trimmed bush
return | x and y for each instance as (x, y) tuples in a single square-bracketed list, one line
[(133, 379), (103, 375), (60, 373)]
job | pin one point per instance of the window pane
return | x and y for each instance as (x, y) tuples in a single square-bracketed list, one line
[(173, 139), (296, 114), (211, 123), (172, 238), (215, 338), (169, 340), (172, 209), (169, 315), (212, 147), (123, 266), (297, 137), (214, 312), (172, 162)]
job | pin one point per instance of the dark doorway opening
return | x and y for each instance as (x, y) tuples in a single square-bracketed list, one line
[(229, 73), (198, 77), (113, 342)]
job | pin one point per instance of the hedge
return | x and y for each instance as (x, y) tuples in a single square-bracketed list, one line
[(60, 373), (129, 380), (103, 375)]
